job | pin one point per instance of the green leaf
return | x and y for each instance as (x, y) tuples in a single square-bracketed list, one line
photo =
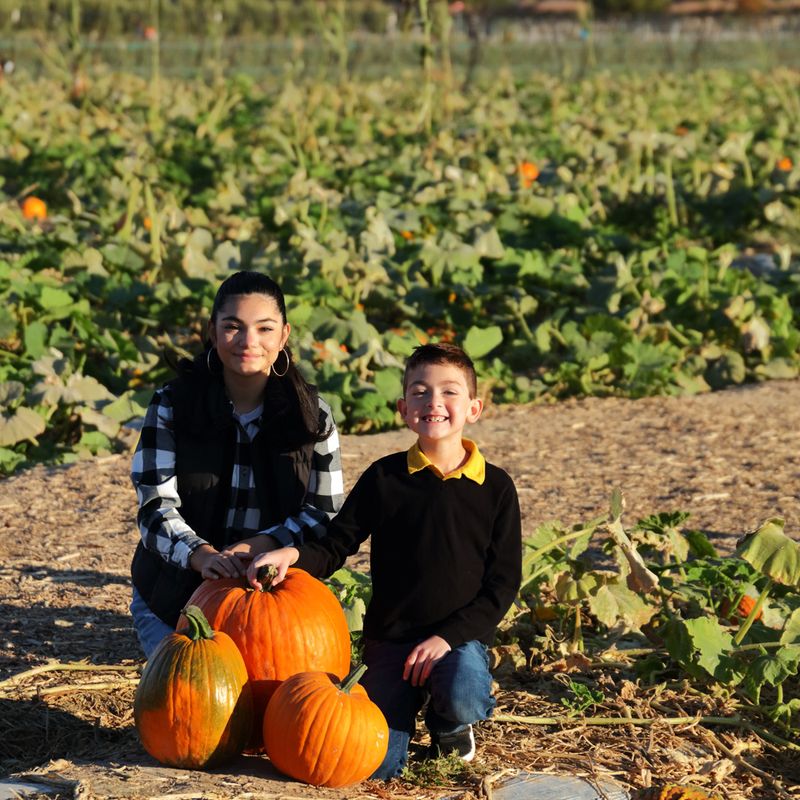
[(10, 460), (772, 669), (389, 383), (127, 406), (710, 641), (54, 298), (487, 243), (35, 338), (23, 424), (481, 341), (699, 545), (8, 323), (791, 631), (772, 553), (614, 603), (10, 393)]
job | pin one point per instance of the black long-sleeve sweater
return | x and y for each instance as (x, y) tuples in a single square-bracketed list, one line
[(445, 554)]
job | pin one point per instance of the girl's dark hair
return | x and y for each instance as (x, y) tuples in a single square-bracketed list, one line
[(250, 282)]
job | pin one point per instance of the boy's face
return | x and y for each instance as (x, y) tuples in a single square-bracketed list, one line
[(437, 404)]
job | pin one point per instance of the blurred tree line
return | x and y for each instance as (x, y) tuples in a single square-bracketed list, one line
[(177, 18)]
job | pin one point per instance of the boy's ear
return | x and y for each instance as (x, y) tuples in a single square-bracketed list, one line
[(475, 409), (401, 406)]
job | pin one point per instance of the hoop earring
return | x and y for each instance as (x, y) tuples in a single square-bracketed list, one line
[(208, 361), (288, 363)]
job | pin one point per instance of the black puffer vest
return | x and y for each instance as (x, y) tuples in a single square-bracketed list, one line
[(205, 442)]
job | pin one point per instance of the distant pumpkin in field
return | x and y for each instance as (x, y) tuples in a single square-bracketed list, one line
[(785, 164), (34, 208), (528, 173)]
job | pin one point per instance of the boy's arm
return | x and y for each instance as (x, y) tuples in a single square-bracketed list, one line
[(501, 581), (321, 558)]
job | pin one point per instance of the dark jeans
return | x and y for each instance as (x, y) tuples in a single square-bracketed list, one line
[(459, 692)]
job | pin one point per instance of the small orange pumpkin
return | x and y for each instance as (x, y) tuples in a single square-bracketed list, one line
[(34, 208), (295, 626), (743, 609), (193, 707), (325, 733), (528, 173)]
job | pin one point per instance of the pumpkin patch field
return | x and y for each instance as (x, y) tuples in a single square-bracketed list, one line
[(619, 256)]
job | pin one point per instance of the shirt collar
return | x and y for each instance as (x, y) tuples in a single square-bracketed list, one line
[(473, 468)]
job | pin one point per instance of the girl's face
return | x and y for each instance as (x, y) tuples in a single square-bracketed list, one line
[(249, 334)]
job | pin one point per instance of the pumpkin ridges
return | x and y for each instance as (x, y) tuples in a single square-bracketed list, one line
[(322, 720), (193, 706)]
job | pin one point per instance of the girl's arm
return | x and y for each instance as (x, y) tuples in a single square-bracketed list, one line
[(163, 529)]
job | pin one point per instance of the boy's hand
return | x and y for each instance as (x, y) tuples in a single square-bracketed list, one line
[(423, 658), (282, 558)]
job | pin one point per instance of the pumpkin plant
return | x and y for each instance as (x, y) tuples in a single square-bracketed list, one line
[(295, 626), (325, 733), (193, 705)]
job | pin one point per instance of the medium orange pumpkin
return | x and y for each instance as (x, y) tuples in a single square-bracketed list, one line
[(193, 706), (295, 626), (323, 732)]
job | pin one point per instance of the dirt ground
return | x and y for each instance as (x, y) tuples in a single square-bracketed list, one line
[(729, 458)]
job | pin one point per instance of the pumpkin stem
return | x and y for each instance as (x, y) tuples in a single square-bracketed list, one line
[(266, 575), (199, 627), (353, 678)]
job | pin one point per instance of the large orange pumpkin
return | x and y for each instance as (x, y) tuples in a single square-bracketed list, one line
[(325, 733), (193, 707), (295, 626)]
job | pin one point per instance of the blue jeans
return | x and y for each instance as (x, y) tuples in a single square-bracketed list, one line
[(459, 692), (150, 629)]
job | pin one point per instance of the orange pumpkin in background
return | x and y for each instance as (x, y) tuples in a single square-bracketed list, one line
[(34, 208)]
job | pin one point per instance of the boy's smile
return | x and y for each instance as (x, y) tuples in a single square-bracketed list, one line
[(436, 404)]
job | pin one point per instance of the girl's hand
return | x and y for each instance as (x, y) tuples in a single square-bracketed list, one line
[(282, 559), (423, 658), (214, 565)]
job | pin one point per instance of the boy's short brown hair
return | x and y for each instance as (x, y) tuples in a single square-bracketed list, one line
[(442, 353)]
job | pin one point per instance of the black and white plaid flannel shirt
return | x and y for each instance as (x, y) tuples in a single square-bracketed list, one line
[(161, 525)]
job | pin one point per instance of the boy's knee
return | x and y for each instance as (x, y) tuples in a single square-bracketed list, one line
[(464, 706), (463, 693)]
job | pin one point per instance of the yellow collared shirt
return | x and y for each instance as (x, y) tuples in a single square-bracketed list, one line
[(474, 467)]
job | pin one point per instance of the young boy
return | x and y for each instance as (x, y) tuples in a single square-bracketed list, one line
[(445, 561)]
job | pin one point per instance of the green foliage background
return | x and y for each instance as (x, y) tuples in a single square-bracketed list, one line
[(655, 251)]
